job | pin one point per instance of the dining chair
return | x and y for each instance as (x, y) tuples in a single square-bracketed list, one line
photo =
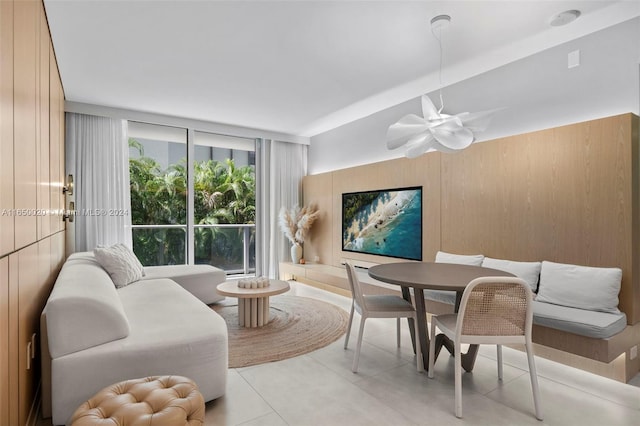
[(377, 306), (493, 310)]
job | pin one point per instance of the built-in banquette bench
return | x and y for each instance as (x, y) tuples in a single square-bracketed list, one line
[(576, 316)]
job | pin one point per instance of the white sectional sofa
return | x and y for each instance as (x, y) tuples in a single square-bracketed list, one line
[(94, 335)]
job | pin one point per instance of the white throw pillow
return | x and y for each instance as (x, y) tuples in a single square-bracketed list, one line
[(582, 287), (462, 259), (118, 264), (131, 255), (528, 271)]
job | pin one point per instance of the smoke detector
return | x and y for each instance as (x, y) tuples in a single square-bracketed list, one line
[(564, 18)]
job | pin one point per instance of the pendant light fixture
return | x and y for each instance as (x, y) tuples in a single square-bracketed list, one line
[(435, 130)]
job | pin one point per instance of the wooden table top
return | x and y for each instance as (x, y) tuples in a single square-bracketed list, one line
[(231, 289), (430, 275)]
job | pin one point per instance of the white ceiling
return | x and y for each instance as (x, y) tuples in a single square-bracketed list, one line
[(296, 67)]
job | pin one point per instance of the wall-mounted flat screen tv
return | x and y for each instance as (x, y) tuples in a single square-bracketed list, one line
[(385, 222)]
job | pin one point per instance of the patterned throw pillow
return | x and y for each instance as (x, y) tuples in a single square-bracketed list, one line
[(119, 264)]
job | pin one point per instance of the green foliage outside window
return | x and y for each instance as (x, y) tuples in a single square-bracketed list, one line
[(223, 194)]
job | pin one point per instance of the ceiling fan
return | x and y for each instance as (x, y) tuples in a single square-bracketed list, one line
[(435, 130)]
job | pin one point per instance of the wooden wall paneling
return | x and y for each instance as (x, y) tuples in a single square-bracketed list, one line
[(58, 252), (635, 225), (14, 381), (44, 202), (28, 324), (403, 172), (54, 144), (562, 195), (4, 341), (320, 239), (61, 157), (7, 227), (25, 106)]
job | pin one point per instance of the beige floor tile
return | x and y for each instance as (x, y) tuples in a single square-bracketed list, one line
[(565, 405), (304, 392), (240, 404)]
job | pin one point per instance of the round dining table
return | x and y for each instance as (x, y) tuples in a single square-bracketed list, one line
[(433, 276)]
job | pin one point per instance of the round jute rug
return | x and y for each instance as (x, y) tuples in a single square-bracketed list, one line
[(298, 325)]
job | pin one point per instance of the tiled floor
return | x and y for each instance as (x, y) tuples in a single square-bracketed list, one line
[(320, 389)]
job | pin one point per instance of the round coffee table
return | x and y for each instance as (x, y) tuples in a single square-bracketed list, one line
[(253, 303)]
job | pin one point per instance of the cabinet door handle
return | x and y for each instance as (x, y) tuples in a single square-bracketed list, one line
[(29, 346), (33, 345)]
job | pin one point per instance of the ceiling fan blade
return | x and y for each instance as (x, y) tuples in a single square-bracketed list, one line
[(450, 137), (477, 121), (429, 110), (419, 146), (409, 126)]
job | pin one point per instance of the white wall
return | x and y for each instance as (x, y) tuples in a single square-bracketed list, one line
[(538, 92)]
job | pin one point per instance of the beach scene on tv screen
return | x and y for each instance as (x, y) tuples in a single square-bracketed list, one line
[(386, 223)]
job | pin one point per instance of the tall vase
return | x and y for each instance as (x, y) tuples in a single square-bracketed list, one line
[(296, 253)]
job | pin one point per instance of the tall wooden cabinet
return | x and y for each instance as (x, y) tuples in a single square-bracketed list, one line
[(32, 238)]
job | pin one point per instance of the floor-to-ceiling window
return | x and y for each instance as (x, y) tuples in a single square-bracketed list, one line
[(158, 177), (216, 226), (224, 203)]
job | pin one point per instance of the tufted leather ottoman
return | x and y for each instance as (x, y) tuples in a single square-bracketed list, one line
[(151, 401)]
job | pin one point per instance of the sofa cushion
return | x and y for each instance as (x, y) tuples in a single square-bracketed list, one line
[(463, 259), (528, 271), (581, 287), (599, 325), (84, 309), (199, 280), (119, 264), (172, 333)]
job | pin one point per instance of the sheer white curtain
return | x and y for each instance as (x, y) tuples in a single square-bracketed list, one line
[(280, 169), (98, 158)]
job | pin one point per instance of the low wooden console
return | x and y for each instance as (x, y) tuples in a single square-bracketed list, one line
[(332, 278)]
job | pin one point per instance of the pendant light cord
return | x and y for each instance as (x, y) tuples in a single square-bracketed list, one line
[(439, 38)]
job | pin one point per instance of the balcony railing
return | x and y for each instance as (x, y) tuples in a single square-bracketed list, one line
[(230, 247)]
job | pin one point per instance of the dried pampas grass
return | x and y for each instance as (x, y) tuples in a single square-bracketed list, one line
[(296, 222)]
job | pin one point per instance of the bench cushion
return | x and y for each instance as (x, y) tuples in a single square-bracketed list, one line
[(442, 296), (599, 325), (449, 297), (199, 280)]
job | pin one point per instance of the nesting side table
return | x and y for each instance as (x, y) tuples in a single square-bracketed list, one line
[(253, 303)]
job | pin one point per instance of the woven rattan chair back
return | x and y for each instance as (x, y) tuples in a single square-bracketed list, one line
[(495, 308)]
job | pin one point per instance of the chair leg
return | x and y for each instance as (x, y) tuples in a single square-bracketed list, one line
[(356, 358), (432, 346), (398, 330), (346, 337), (534, 381), (458, 379), (499, 350)]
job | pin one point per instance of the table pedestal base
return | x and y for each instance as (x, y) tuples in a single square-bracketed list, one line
[(253, 312), (467, 360)]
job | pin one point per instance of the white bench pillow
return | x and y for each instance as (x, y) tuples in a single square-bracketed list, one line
[(462, 259), (582, 287), (528, 271)]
